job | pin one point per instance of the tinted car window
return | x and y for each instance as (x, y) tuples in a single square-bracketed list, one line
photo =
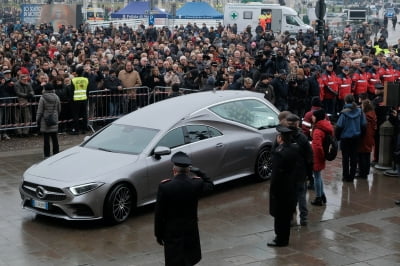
[(214, 132), (200, 132), (173, 139), (249, 112), (196, 133), (122, 139)]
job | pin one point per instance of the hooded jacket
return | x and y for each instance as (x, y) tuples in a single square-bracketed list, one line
[(368, 140), (320, 129), (351, 122)]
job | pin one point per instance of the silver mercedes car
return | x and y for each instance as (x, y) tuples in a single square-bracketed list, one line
[(227, 134)]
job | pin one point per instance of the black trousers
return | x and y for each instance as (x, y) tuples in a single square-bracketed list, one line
[(79, 111), (349, 157), (54, 140), (364, 163), (282, 228)]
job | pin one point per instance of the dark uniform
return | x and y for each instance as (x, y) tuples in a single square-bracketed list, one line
[(304, 167), (175, 222), (283, 188)]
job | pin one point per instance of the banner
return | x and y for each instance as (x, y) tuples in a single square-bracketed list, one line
[(57, 14), (31, 13)]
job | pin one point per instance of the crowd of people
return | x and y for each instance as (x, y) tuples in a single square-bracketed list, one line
[(61, 66)]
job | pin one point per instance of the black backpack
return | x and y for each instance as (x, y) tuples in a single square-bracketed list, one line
[(330, 146)]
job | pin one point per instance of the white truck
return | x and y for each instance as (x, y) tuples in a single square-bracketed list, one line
[(271, 16)]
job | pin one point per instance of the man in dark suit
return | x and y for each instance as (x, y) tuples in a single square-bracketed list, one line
[(175, 223), (282, 191)]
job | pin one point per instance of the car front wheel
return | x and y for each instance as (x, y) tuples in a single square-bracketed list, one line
[(263, 165), (119, 204)]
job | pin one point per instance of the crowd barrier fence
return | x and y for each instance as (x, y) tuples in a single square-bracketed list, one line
[(103, 106)]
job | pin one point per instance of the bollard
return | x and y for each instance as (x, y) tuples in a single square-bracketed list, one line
[(386, 132)]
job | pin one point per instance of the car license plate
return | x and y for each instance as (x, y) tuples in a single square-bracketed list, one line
[(40, 204)]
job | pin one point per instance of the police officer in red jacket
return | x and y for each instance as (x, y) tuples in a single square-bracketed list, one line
[(175, 223), (330, 91), (360, 81), (345, 84)]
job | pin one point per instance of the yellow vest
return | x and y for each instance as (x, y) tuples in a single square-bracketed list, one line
[(80, 88), (378, 50)]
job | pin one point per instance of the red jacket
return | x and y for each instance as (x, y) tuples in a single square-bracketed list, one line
[(320, 129), (360, 80), (344, 86), (306, 124), (368, 141), (374, 78), (330, 80), (389, 75), (321, 88)]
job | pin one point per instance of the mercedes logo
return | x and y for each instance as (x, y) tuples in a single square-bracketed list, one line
[(41, 192)]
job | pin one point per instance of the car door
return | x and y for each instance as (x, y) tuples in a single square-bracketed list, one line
[(159, 169), (207, 148)]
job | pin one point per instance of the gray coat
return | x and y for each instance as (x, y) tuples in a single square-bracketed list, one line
[(49, 103)]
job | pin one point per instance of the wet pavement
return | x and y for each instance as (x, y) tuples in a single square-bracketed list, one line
[(360, 225)]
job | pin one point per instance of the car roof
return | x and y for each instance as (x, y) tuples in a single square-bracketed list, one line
[(166, 113)]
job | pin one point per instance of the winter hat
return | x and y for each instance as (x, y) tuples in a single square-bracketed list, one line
[(316, 101), (24, 71), (319, 114)]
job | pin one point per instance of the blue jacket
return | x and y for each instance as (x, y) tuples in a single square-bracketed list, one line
[(351, 122)]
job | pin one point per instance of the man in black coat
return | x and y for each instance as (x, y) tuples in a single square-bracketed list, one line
[(283, 186), (175, 223), (304, 168), (281, 89)]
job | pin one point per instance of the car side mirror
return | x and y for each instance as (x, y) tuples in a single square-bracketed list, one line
[(160, 151)]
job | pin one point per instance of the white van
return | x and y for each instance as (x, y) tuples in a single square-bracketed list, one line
[(281, 18)]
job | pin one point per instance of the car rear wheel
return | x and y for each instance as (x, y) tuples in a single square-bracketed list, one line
[(119, 204), (263, 165)]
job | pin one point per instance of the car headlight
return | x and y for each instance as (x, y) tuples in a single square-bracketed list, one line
[(85, 188)]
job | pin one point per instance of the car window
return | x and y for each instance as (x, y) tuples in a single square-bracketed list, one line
[(122, 139), (291, 20), (173, 138), (214, 132), (199, 132), (250, 112)]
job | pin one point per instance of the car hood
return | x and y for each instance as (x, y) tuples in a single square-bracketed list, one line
[(80, 164)]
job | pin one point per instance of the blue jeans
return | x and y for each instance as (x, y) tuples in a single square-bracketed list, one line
[(114, 109), (301, 191), (318, 184)]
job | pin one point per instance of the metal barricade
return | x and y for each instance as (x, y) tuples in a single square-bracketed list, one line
[(160, 93), (18, 114), (103, 105), (107, 105)]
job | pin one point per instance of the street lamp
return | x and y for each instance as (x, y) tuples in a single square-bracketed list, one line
[(320, 10)]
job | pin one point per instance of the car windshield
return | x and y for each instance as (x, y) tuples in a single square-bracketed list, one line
[(122, 139), (249, 112)]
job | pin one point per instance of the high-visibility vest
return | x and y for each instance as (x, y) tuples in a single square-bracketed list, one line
[(378, 50), (80, 88)]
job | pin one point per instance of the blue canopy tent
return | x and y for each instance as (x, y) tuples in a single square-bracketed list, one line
[(198, 10), (137, 10)]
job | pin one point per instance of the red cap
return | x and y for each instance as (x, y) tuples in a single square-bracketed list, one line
[(24, 71)]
